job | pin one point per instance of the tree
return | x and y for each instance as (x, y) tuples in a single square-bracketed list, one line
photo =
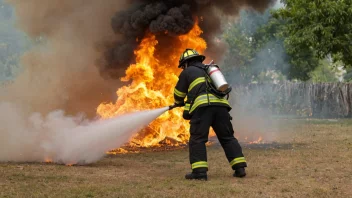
[(322, 26), (348, 76), (323, 73), (245, 60), (295, 65), (256, 45), (239, 54)]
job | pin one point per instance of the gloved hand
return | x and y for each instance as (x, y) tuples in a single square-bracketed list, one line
[(176, 105), (180, 104)]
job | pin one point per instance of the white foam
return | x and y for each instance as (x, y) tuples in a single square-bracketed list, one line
[(63, 139)]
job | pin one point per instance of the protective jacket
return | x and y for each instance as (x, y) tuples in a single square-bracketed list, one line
[(192, 84)]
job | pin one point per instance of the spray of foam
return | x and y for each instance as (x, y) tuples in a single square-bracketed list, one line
[(63, 139)]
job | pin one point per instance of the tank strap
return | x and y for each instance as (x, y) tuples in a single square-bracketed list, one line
[(206, 83), (210, 87), (195, 96)]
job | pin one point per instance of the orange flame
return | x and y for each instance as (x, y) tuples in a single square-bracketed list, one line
[(260, 139), (153, 79)]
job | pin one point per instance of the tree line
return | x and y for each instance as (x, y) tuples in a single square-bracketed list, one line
[(305, 40)]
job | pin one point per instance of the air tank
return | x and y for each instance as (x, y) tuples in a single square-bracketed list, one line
[(217, 78)]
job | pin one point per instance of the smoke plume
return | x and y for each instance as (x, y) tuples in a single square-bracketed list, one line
[(59, 71), (171, 18)]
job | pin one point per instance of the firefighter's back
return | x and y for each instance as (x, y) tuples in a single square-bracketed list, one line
[(198, 95)]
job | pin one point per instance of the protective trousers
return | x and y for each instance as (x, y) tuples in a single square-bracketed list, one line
[(219, 119)]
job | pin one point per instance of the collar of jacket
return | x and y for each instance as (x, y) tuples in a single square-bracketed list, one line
[(196, 63)]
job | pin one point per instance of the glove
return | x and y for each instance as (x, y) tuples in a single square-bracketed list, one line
[(176, 105), (186, 115), (180, 104)]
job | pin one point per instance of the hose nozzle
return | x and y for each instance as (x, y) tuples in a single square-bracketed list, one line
[(176, 105), (172, 107)]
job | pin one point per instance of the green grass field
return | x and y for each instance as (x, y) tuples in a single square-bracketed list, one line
[(310, 159)]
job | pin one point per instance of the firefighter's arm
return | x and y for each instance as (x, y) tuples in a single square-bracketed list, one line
[(181, 89)]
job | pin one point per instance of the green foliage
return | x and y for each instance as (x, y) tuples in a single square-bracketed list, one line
[(292, 41), (294, 65), (323, 73), (240, 52), (348, 76), (246, 46), (256, 46), (322, 26)]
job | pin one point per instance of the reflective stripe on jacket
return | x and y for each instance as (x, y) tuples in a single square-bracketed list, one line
[(192, 84)]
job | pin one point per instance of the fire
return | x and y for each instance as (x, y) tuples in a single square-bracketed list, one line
[(152, 81), (117, 151), (260, 139)]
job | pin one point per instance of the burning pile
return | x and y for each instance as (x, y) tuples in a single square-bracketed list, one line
[(153, 80), (157, 32)]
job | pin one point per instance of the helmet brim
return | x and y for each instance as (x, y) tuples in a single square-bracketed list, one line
[(200, 57)]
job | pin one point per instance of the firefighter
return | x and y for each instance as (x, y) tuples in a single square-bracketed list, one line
[(205, 110)]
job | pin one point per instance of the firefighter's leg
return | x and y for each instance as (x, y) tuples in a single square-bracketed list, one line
[(224, 131), (199, 130)]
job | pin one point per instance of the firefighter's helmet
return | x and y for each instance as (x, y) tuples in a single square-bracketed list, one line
[(189, 54)]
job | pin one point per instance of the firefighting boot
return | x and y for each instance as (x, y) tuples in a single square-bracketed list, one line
[(197, 176), (241, 172)]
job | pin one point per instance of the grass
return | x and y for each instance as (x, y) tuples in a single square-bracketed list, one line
[(316, 162)]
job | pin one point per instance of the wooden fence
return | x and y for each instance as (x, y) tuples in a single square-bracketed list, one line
[(319, 100)]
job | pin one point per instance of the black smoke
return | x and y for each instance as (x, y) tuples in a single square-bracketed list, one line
[(168, 19)]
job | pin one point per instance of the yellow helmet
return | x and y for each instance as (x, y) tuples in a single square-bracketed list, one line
[(189, 54)]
